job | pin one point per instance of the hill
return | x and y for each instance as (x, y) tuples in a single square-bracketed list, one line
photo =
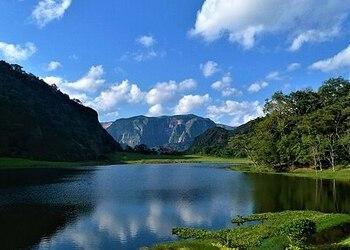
[(215, 141), (176, 132), (304, 128), (40, 122)]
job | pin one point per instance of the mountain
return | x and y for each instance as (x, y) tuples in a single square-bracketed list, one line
[(227, 127), (105, 125), (40, 122), (211, 141), (214, 141), (176, 132)]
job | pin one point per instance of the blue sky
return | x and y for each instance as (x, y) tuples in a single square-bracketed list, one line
[(215, 58)]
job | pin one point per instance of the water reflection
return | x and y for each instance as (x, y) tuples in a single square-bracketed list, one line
[(127, 207), (138, 206), (277, 193)]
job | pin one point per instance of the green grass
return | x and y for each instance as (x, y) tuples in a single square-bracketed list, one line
[(190, 245), (120, 158), (140, 158), (341, 172), (272, 231)]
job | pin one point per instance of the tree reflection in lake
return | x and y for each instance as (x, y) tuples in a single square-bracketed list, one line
[(278, 193), (127, 207)]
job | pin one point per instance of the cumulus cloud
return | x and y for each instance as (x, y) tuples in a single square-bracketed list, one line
[(244, 21), (146, 41), (48, 10), (257, 86), (81, 88), (120, 92), (90, 82), (293, 66), (146, 50), (239, 112), (190, 102), (15, 52), (339, 61), (62, 85), (156, 110), (209, 68), (165, 91), (53, 65), (224, 85)]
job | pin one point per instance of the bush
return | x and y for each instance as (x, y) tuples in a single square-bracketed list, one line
[(300, 231)]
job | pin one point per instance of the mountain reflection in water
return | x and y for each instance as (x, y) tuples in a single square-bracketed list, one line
[(127, 207)]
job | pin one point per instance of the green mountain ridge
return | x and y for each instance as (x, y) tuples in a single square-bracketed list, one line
[(40, 122), (305, 128)]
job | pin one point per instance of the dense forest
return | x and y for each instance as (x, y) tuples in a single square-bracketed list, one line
[(304, 128), (40, 122)]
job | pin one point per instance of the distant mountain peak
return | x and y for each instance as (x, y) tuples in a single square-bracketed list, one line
[(177, 131)]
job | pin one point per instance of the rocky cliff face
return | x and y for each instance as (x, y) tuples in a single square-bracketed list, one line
[(177, 132), (40, 122)]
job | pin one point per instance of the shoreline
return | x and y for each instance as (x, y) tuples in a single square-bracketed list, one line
[(120, 158), (342, 173)]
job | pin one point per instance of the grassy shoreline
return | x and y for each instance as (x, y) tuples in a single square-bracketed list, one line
[(341, 173), (279, 230), (118, 159)]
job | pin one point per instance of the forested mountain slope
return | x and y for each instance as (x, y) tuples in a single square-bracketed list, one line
[(40, 122), (301, 129)]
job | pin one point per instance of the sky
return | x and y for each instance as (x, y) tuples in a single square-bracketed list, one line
[(214, 58)]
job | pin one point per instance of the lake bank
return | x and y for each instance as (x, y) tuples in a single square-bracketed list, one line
[(119, 158), (340, 173), (281, 230)]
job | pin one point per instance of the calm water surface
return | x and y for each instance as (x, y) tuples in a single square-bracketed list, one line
[(127, 207)]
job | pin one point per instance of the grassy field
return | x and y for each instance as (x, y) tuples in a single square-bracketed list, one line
[(120, 158), (341, 172), (284, 230)]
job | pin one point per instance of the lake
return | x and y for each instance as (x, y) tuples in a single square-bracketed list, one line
[(131, 206)]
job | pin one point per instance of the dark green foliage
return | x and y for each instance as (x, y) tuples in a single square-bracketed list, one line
[(211, 142), (272, 230), (221, 142), (301, 129), (40, 122), (300, 231)]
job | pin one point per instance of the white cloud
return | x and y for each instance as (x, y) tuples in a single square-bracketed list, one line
[(313, 36), (53, 65), (62, 85), (156, 110), (190, 102), (15, 52), (145, 55), (274, 75), (48, 10), (293, 66), (256, 87), (239, 112), (209, 68), (146, 41), (90, 82), (224, 85), (108, 99), (165, 91), (339, 61), (244, 21)]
